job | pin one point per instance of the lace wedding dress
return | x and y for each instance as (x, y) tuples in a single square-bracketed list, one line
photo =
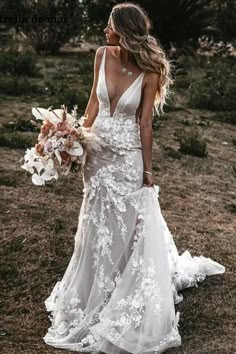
[(119, 291)]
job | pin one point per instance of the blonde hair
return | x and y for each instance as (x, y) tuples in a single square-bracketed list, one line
[(131, 23)]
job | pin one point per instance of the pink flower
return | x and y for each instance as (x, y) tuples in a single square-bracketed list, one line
[(65, 157), (61, 126), (39, 148), (74, 133), (46, 127), (58, 134)]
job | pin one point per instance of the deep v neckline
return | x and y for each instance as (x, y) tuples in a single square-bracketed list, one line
[(128, 88)]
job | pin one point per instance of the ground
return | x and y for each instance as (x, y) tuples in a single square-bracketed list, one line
[(197, 199)]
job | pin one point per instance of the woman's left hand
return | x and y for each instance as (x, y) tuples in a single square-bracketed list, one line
[(148, 180)]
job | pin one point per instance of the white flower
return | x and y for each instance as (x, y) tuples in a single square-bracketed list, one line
[(77, 150), (135, 304), (74, 301), (62, 328), (101, 284), (37, 180), (52, 115), (138, 318), (124, 320), (121, 303), (91, 339)]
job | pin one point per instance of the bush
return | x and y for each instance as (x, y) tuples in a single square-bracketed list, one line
[(225, 20), (226, 117), (172, 153), (17, 140), (217, 89), (191, 143), (61, 93), (23, 125), (60, 20), (19, 64), (17, 86), (7, 181)]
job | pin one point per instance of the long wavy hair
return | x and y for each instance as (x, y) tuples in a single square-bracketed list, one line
[(131, 22)]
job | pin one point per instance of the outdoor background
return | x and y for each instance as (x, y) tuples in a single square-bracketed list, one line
[(49, 62)]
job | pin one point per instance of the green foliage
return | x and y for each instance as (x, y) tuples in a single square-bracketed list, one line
[(18, 86), (7, 181), (17, 140), (62, 93), (191, 142), (173, 21), (226, 117), (225, 13), (11, 9), (23, 125), (186, 63), (216, 90), (181, 21), (60, 20), (170, 152), (19, 64)]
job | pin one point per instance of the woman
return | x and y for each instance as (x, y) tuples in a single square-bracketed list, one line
[(119, 290)]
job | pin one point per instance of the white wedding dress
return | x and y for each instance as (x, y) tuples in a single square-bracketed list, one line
[(119, 291)]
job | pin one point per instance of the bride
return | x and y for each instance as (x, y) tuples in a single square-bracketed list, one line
[(119, 291)]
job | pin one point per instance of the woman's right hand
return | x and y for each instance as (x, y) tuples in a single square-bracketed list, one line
[(148, 180)]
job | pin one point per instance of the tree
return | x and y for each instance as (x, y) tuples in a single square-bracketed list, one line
[(48, 24), (177, 22), (225, 15), (180, 22)]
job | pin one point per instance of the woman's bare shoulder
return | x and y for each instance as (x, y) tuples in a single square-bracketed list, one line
[(98, 57), (100, 50)]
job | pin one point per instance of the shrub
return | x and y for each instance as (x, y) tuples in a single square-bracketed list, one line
[(216, 90), (61, 93), (17, 140), (23, 125), (226, 117), (169, 151), (225, 19), (191, 143), (60, 20), (19, 64), (7, 181), (17, 86)]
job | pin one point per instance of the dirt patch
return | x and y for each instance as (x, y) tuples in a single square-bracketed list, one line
[(39, 225)]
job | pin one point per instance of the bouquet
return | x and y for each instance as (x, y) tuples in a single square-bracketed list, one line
[(62, 145)]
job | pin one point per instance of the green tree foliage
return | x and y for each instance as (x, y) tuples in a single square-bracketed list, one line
[(179, 22), (225, 15), (48, 24), (216, 90)]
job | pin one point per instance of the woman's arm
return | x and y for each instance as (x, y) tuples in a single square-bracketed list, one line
[(150, 88), (93, 104)]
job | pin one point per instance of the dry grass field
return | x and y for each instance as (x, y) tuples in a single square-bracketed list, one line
[(197, 198)]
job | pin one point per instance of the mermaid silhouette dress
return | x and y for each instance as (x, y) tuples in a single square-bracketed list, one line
[(119, 291)]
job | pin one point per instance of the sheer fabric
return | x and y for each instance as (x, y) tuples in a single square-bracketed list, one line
[(119, 291)]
